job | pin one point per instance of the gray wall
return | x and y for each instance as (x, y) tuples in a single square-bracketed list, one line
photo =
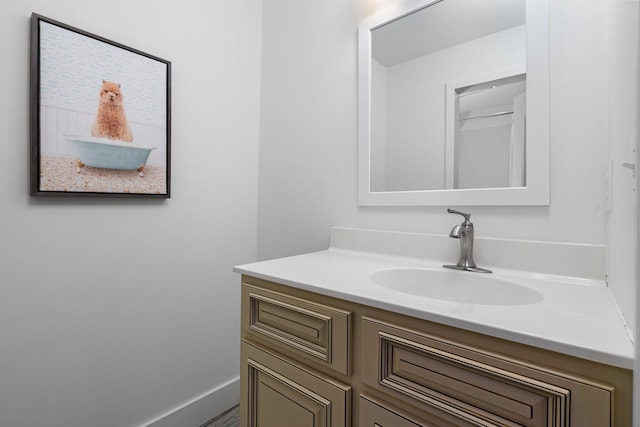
[(115, 312)]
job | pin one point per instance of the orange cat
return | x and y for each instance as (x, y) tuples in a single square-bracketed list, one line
[(111, 122)]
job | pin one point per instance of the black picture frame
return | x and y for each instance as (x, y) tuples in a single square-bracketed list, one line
[(100, 116)]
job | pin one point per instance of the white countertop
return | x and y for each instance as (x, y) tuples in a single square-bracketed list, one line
[(578, 317)]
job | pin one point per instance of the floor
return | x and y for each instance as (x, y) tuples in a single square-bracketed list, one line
[(231, 418)]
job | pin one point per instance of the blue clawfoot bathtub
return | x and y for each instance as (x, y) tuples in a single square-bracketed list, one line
[(107, 153)]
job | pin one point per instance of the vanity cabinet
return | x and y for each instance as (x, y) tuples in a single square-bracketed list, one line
[(313, 360)]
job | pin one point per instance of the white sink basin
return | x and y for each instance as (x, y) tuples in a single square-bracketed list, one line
[(457, 286)]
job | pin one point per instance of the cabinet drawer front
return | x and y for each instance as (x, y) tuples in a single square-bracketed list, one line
[(312, 330), (441, 375), (278, 392), (374, 413)]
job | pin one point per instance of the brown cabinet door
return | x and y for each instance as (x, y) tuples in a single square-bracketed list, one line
[(277, 392)]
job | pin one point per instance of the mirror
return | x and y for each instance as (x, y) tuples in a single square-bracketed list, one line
[(453, 104)]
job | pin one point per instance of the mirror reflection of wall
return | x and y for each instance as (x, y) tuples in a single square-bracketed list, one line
[(413, 58), (489, 134)]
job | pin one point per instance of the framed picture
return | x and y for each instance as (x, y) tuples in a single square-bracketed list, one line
[(100, 116)]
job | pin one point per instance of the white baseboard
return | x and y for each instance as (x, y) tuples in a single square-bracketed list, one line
[(201, 409)]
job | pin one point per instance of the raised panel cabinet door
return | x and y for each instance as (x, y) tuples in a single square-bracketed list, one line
[(276, 392)]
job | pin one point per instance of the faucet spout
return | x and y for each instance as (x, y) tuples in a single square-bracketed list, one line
[(456, 232), (465, 233)]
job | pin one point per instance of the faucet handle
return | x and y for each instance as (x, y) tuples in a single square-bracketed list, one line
[(465, 215)]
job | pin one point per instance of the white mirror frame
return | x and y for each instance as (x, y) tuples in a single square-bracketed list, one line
[(537, 152)]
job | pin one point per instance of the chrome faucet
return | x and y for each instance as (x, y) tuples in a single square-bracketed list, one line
[(464, 232)]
